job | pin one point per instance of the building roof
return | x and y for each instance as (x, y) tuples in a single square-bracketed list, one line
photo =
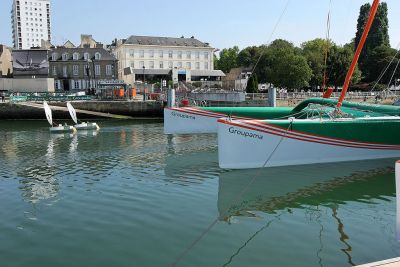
[(165, 41), (105, 55)]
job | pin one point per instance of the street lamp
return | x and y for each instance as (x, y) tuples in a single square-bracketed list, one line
[(144, 83)]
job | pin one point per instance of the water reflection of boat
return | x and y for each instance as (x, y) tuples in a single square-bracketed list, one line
[(280, 188), (191, 163)]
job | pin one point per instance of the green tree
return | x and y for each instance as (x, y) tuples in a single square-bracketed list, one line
[(378, 35), (378, 61), (315, 51), (283, 65), (252, 84), (249, 56), (339, 61), (228, 59)]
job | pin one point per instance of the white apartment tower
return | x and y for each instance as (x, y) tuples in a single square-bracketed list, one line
[(30, 23)]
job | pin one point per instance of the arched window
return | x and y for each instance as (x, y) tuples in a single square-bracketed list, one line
[(97, 56), (65, 56), (86, 56), (76, 56), (54, 56)]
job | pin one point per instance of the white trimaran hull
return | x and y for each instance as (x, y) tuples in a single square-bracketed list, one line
[(247, 144), (191, 120)]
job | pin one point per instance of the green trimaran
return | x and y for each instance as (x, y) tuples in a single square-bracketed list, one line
[(347, 132)]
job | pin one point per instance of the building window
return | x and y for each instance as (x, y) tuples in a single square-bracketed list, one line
[(151, 53), (197, 55), (151, 64), (170, 54), (161, 53), (65, 56), (161, 65), (131, 53), (170, 64), (188, 55), (54, 71), (76, 84), (97, 70), (86, 56), (141, 53), (109, 69), (179, 54), (54, 56), (180, 65), (65, 71), (197, 65), (76, 56), (206, 65), (75, 70), (141, 64), (188, 65), (132, 64), (97, 56), (205, 55)]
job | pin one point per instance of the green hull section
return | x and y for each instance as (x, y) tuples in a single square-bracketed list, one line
[(368, 131), (302, 110)]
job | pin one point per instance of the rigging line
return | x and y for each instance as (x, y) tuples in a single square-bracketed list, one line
[(328, 29), (272, 34), (250, 239), (214, 222), (387, 67), (269, 41), (394, 72)]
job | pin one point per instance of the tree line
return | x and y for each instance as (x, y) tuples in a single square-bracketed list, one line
[(285, 65)]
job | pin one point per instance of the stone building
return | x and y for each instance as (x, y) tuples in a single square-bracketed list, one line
[(154, 58), (81, 68)]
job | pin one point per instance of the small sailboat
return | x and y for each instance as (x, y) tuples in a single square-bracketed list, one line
[(82, 125), (54, 127)]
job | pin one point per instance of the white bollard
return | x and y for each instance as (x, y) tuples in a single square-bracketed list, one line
[(272, 97), (398, 200), (171, 98)]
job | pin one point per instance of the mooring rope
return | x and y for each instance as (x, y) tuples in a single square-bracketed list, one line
[(214, 222)]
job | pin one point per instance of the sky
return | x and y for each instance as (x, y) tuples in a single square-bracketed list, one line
[(223, 23)]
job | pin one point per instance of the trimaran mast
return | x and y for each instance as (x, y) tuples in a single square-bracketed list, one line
[(360, 46)]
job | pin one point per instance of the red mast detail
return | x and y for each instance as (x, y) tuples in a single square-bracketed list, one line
[(360, 46)]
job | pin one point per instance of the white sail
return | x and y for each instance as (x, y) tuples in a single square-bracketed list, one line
[(49, 115), (72, 112)]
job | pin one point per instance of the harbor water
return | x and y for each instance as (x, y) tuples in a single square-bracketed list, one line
[(129, 195)]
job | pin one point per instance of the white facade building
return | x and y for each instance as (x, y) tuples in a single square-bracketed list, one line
[(30, 23), (182, 58)]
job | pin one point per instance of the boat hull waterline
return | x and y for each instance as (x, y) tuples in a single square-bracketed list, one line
[(257, 144), (87, 126)]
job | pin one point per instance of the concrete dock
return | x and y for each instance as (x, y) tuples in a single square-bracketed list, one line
[(386, 263), (84, 109)]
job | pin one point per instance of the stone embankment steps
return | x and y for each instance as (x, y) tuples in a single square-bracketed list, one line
[(78, 111)]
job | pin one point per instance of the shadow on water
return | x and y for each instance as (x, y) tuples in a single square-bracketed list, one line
[(279, 190)]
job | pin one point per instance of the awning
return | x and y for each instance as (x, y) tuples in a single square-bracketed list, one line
[(205, 73)]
